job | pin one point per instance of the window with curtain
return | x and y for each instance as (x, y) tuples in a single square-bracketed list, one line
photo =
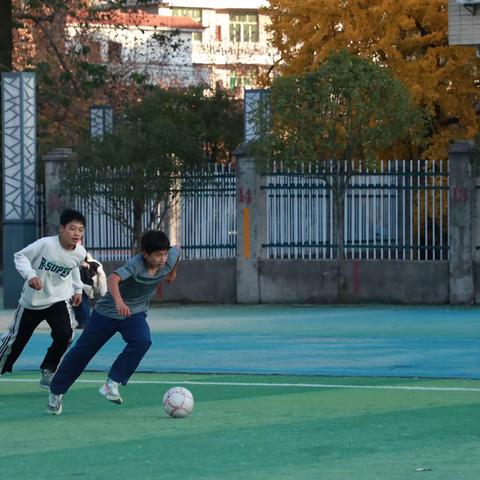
[(243, 27)]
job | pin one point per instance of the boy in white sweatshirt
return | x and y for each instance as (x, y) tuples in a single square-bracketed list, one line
[(50, 267)]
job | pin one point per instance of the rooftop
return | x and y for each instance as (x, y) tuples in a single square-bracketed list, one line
[(138, 19)]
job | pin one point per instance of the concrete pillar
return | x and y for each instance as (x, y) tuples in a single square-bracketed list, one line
[(57, 198), (251, 228), (461, 205)]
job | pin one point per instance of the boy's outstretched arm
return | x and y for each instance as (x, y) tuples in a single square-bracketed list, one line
[(173, 273), (112, 283)]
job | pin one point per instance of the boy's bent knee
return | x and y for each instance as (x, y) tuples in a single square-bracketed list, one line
[(62, 337), (141, 345)]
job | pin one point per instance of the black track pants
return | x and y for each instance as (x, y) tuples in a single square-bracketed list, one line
[(59, 317)]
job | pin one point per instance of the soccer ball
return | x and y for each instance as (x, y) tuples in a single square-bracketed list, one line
[(178, 402)]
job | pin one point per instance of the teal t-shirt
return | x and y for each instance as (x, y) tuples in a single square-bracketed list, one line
[(137, 286)]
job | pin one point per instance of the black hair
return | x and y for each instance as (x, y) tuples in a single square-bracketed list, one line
[(70, 215), (153, 241)]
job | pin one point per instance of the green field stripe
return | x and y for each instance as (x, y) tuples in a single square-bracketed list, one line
[(268, 384)]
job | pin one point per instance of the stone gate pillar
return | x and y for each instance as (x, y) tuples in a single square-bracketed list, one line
[(57, 198), (251, 228), (461, 206), (251, 203)]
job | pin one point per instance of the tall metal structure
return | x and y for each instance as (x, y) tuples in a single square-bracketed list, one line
[(19, 182), (255, 111), (101, 120)]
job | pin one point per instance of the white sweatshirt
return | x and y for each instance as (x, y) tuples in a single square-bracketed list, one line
[(56, 266)]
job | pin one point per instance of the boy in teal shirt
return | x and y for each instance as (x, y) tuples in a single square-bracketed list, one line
[(123, 309)]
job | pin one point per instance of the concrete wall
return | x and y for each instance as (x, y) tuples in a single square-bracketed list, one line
[(305, 281), (198, 281), (298, 281), (364, 281)]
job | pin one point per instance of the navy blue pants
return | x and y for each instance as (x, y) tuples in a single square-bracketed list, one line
[(99, 330), (82, 312)]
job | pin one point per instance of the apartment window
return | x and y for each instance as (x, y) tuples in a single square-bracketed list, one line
[(243, 28), (114, 52), (94, 51), (240, 81), (194, 14)]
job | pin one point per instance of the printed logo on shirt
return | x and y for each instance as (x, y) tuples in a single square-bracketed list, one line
[(50, 266)]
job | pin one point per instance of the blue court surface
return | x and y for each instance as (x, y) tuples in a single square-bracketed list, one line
[(387, 341)]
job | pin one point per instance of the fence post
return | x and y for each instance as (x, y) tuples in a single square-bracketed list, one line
[(461, 199), (476, 230), (251, 225), (56, 197)]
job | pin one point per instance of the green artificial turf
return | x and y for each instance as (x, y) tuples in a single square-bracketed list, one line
[(243, 431)]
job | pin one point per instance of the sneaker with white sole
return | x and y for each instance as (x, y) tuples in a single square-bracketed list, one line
[(54, 405), (110, 391), (46, 379)]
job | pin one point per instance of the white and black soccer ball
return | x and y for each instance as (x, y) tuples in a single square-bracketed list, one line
[(178, 402)]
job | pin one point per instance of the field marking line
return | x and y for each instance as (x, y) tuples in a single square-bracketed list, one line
[(272, 385)]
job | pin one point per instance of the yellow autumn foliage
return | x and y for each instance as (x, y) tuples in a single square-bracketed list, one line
[(407, 36)]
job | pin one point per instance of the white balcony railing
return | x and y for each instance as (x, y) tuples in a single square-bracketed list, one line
[(233, 53)]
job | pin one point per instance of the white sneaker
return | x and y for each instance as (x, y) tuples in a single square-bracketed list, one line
[(46, 379), (110, 391), (54, 405)]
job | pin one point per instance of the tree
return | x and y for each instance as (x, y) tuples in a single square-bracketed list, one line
[(221, 122), (6, 40), (135, 172), (57, 39), (408, 36), (335, 118)]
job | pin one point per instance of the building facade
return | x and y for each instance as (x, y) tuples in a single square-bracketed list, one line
[(464, 22), (233, 47), (138, 44), (228, 46)]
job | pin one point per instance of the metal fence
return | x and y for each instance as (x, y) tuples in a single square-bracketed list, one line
[(105, 238), (393, 210), (208, 213), (205, 227)]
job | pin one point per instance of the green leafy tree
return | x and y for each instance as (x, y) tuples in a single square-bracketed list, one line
[(135, 172), (410, 37), (220, 119), (341, 115)]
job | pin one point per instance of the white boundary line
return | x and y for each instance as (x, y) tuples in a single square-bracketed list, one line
[(264, 384)]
